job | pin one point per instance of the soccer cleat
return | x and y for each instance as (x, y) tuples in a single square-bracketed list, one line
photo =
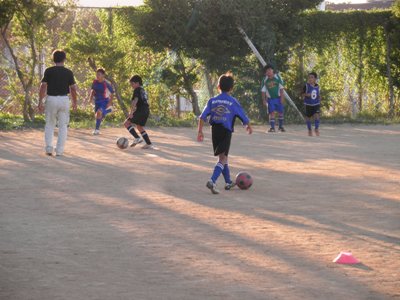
[(281, 129), (213, 187), (136, 141), (148, 146), (96, 132), (229, 186), (271, 130), (317, 132), (310, 133)]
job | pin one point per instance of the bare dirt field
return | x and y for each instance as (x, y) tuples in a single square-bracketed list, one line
[(104, 223)]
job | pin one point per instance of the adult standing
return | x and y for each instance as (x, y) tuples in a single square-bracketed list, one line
[(57, 83)]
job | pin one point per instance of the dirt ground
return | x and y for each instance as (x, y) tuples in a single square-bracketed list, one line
[(104, 223)]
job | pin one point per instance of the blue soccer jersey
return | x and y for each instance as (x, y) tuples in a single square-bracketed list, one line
[(314, 99), (223, 109), (102, 90)]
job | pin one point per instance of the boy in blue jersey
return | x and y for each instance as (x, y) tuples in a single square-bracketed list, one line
[(223, 110), (102, 93), (312, 102), (273, 97)]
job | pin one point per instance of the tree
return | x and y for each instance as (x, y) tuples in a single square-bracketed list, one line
[(84, 43), (22, 40)]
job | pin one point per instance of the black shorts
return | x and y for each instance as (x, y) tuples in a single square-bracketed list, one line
[(140, 117), (312, 110), (221, 138)]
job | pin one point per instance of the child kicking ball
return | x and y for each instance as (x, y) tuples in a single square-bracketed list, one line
[(223, 110)]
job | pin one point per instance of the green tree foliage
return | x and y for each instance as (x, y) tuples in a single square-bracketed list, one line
[(348, 49), (24, 32)]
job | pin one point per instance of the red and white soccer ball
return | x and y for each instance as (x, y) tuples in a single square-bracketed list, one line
[(122, 143), (244, 180)]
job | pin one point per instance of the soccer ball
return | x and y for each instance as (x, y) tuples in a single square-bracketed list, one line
[(243, 180), (122, 143)]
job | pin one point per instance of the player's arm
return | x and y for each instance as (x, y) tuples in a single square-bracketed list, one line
[(243, 117), (305, 94), (42, 94), (110, 102), (91, 96), (111, 97), (73, 89), (133, 106), (202, 118), (200, 135), (264, 95), (264, 98), (282, 94)]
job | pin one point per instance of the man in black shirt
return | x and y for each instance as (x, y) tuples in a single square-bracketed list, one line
[(139, 113), (57, 83)]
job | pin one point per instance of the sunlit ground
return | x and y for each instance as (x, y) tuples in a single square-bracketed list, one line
[(104, 223)]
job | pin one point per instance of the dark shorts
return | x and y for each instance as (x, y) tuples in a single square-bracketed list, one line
[(312, 110), (140, 117), (221, 138), (275, 105)]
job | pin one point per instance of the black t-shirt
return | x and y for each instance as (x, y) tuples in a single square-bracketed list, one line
[(58, 79), (141, 94)]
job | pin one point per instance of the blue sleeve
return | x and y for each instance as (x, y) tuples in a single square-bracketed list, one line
[(110, 88), (241, 114), (206, 111)]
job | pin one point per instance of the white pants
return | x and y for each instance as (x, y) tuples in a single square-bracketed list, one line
[(57, 109)]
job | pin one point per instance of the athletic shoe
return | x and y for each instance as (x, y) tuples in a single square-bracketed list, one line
[(213, 187), (148, 146), (310, 133), (229, 186), (49, 151), (271, 130), (281, 129), (136, 141), (96, 132), (317, 132)]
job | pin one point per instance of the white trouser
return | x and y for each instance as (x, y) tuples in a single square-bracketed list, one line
[(57, 109)]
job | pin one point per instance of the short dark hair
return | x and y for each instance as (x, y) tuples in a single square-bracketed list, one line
[(269, 66), (313, 74), (101, 70), (225, 83), (137, 79), (59, 55)]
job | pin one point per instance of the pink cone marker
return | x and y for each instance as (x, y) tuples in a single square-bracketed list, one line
[(346, 258)]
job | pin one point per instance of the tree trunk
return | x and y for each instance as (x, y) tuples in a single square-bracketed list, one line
[(121, 102), (188, 86), (210, 85), (389, 71), (178, 106), (28, 112), (195, 100)]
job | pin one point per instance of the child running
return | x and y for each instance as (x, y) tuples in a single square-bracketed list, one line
[(139, 113), (102, 92), (312, 101), (223, 110), (273, 97)]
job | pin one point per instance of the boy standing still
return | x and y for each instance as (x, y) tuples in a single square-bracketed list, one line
[(223, 110), (139, 113), (312, 102), (57, 83), (273, 97)]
